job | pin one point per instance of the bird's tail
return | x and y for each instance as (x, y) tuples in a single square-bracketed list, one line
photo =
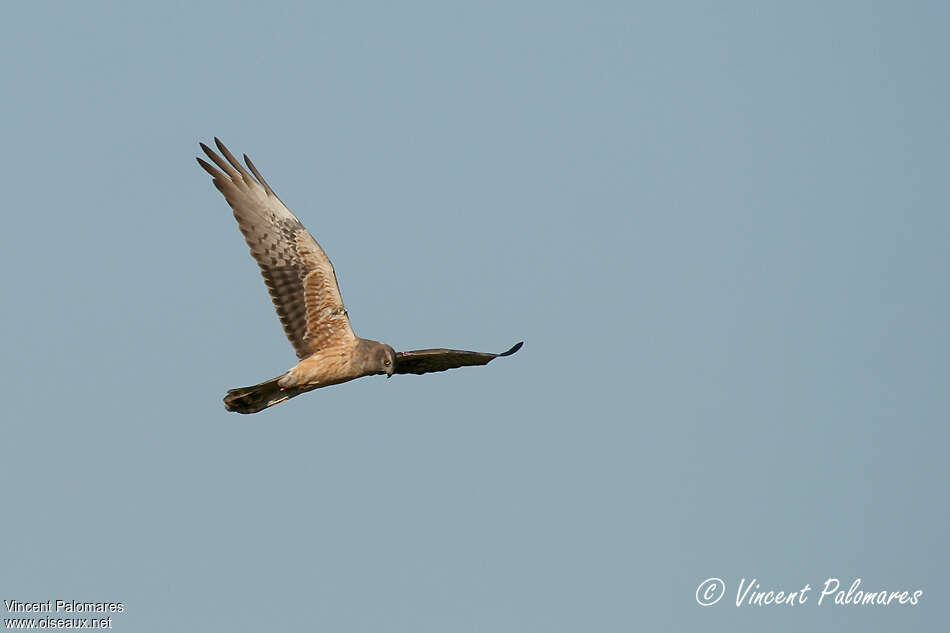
[(257, 397)]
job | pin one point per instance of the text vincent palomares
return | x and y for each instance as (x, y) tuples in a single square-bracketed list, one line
[(852, 596), (751, 593), (63, 606)]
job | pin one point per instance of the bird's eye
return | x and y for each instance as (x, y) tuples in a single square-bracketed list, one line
[(387, 362)]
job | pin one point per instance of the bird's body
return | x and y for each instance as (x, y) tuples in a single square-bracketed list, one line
[(306, 295), (332, 365)]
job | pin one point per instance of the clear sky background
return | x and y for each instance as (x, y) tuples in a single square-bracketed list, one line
[(721, 229)]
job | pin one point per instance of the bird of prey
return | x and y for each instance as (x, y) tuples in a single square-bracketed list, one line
[(304, 289)]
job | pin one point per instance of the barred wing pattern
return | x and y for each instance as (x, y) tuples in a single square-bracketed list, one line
[(298, 274), (424, 361)]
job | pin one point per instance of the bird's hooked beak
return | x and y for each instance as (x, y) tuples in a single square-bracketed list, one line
[(389, 371)]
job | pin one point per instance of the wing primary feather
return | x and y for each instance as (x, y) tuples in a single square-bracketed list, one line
[(257, 174), (208, 168), (514, 348), (220, 162), (231, 159)]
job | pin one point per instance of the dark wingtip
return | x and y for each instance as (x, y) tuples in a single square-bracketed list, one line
[(208, 151), (514, 348), (208, 168), (257, 174)]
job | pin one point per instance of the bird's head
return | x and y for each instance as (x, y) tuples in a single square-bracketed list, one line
[(388, 360), (380, 358)]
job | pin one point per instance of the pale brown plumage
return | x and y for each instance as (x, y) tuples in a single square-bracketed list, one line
[(305, 292)]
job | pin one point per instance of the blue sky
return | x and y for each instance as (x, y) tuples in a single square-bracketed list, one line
[(720, 229)]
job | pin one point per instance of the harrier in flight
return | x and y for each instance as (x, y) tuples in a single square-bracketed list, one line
[(305, 292)]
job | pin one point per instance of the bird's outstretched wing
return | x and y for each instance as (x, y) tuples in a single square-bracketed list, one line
[(298, 274), (424, 361)]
